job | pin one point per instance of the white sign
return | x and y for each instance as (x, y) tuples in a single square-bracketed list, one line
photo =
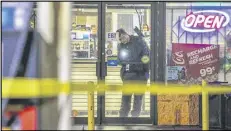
[(207, 71), (198, 22), (111, 36), (174, 72), (73, 35)]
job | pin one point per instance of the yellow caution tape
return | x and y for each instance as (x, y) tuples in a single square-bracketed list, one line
[(32, 88), (154, 89), (65, 88), (6, 128)]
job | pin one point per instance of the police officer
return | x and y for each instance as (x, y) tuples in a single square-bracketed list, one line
[(133, 55)]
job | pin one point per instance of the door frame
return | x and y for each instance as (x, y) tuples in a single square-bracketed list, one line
[(120, 120), (84, 120), (158, 62)]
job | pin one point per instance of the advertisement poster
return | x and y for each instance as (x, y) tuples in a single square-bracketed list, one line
[(112, 61), (200, 60), (176, 73)]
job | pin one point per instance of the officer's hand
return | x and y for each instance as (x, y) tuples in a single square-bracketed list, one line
[(147, 75)]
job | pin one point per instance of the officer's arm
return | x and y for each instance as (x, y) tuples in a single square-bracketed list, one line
[(145, 52), (118, 53)]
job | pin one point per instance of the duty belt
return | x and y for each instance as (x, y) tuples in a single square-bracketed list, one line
[(133, 67)]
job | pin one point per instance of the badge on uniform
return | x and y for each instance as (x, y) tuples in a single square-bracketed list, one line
[(127, 67), (145, 59)]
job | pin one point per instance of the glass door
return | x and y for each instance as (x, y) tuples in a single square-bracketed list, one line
[(126, 16), (84, 44)]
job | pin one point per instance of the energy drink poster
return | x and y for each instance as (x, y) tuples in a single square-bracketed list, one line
[(200, 60)]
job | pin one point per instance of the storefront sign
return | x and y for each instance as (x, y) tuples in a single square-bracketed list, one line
[(112, 61), (111, 36), (205, 21), (201, 60)]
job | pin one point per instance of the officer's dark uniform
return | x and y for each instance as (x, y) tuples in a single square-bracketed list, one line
[(131, 54)]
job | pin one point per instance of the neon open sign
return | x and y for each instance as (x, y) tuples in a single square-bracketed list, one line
[(200, 21)]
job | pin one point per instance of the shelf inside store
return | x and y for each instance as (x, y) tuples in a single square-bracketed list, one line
[(81, 50), (74, 40)]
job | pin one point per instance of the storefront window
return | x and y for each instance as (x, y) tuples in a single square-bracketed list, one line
[(197, 49), (84, 44), (176, 35), (128, 17)]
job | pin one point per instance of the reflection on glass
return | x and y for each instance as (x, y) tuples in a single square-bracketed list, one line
[(126, 16)]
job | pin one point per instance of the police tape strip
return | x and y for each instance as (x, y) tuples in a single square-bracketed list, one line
[(35, 88), (29, 88), (6, 128)]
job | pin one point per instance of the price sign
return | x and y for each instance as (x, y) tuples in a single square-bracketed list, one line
[(207, 71)]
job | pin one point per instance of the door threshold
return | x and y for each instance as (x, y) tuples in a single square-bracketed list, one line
[(116, 127), (135, 127), (114, 124)]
